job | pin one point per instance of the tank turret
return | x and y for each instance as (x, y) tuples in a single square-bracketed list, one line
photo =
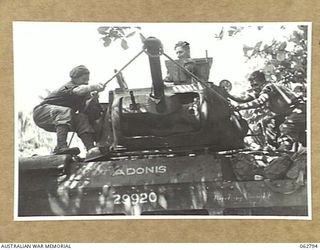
[(172, 116)]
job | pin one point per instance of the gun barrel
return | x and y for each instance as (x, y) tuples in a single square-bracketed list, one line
[(153, 48)]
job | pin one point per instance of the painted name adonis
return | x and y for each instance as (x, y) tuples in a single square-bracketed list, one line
[(140, 170)]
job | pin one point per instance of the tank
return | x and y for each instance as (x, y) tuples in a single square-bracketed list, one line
[(171, 149)]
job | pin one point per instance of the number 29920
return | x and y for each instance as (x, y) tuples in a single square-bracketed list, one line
[(135, 198)]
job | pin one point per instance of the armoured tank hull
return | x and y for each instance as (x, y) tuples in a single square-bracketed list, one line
[(191, 184)]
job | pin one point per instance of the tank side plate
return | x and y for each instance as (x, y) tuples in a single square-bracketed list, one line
[(151, 171), (215, 198)]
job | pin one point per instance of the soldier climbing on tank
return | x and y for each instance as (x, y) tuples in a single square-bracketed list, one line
[(65, 109), (290, 110)]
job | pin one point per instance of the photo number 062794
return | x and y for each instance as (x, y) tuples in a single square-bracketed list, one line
[(150, 120)]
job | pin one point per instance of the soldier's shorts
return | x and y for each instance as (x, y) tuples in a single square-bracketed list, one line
[(48, 116), (294, 126)]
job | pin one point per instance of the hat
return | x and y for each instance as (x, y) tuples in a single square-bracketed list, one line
[(78, 71), (181, 44)]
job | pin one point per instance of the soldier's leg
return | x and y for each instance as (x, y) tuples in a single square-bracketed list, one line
[(293, 127), (84, 130), (55, 119), (272, 131), (43, 118)]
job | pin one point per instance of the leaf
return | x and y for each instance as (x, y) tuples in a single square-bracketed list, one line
[(124, 44), (130, 34), (142, 37), (220, 36), (246, 49), (103, 30), (107, 41), (234, 30), (303, 27), (281, 56), (121, 30), (267, 48), (282, 46), (231, 32), (296, 36), (237, 31), (257, 46), (269, 69), (114, 33)]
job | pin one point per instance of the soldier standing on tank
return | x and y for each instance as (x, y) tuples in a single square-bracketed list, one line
[(182, 49), (289, 109), (63, 110)]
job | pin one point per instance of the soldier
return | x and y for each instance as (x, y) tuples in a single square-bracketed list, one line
[(182, 50), (63, 110), (290, 110)]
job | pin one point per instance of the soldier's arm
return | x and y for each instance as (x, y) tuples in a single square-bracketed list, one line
[(261, 100), (190, 65), (86, 89), (168, 78), (240, 99)]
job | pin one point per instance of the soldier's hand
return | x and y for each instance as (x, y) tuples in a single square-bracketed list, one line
[(232, 107), (97, 87), (235, 108)]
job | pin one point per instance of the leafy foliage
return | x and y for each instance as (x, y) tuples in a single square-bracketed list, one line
[(234, 30), (36, 141), (33, 140), (285, 63), (122, 33)]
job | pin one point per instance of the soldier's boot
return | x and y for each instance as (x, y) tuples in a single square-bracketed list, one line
[(62, 147), (92, 151), (87, 140)]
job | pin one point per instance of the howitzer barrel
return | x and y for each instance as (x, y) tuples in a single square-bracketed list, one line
[(153, 48)]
